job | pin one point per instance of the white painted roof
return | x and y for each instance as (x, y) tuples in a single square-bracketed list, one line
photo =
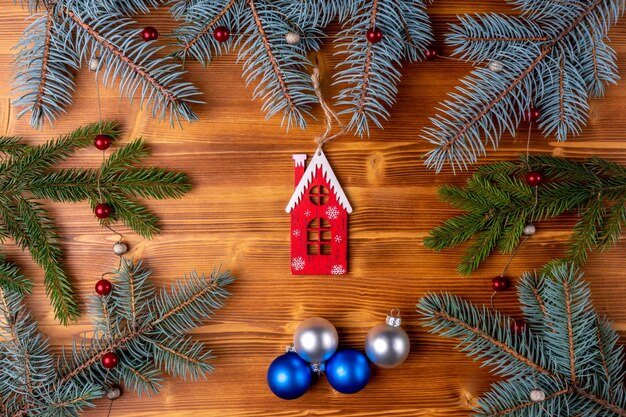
[(319, 160)]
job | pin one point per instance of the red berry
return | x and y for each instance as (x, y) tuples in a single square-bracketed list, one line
[(500, 283), (102, 142), (533, 114), (103, 287), (103, 210), (374, 35), (110, 360), (534, 178), (149, 33), (221, 33), (431, 54), (518, 326)]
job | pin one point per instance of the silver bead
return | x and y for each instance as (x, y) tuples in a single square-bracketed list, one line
[(292, 38), (120, 248), (537, 395), (495, 66), (315, 340), (114, 392), (94, 63), (529, 230), (387, 345)]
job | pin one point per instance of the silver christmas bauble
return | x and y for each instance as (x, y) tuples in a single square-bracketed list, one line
[(387, 345), (495, 66), (315, 340), (94, 63), (292, 38), (114, 392), (120, 248), (537, 395), (529, 230)]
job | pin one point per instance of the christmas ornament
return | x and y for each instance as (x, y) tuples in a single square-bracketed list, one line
[(495, 66), (319, 212), (537, 395), (110, 360), (348, 371), (103, 210), (120, 248), (103, 287), (529, 230), (94, 63), (289, 377), (500, 283), (221, 33), (292, 38), (102, 142), (532, 114), (518, 326), (315, 340), (149, 33), (387, 345), (431, 54), (534, 178), (114, 392), (374, 35)]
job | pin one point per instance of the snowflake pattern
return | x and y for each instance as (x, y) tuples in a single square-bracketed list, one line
[(338, 270), (307, 213), (338, 239), (297, 233), (332, 212), (298, 263)]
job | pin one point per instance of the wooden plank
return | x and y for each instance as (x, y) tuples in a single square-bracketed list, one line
[(242, 171)]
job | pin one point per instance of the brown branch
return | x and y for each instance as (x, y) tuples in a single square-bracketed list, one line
[(603, 403), (131, 290), (605, 367), (500, 345), (562, 88), (528, 404), (45, 60), (138, 69), (208, 27), (177, 353), (367, 66), (545, 50), (540, 302), (270, 54), (570, 331), (506, 39), (594, 54)]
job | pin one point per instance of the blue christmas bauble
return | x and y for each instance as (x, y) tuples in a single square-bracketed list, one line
[(348, 371), (289, 377)]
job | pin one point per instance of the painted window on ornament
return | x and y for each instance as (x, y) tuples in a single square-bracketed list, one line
[(319, 237), (318, 194)]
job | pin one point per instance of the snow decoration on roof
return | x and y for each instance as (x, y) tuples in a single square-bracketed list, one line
[(319, 161)]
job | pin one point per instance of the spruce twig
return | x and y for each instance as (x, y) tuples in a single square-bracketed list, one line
[(27, 175), (499, 203), (143, 341), (579, 374)]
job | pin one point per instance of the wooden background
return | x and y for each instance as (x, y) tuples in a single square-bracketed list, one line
[(242, 173)]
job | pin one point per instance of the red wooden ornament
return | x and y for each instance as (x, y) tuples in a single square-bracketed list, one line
[(319, 219)]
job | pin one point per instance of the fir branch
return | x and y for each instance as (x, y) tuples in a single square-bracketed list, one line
[(498, 203), (368, 72), (278, 68), (27, 172), (142, 345), (552, 57), (12, 280), (557, 357), (69, 32)]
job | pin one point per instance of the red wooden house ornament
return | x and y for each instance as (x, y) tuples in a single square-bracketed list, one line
[(319, 219)]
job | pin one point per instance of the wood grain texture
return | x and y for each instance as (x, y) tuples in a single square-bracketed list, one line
[(242, 172)]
